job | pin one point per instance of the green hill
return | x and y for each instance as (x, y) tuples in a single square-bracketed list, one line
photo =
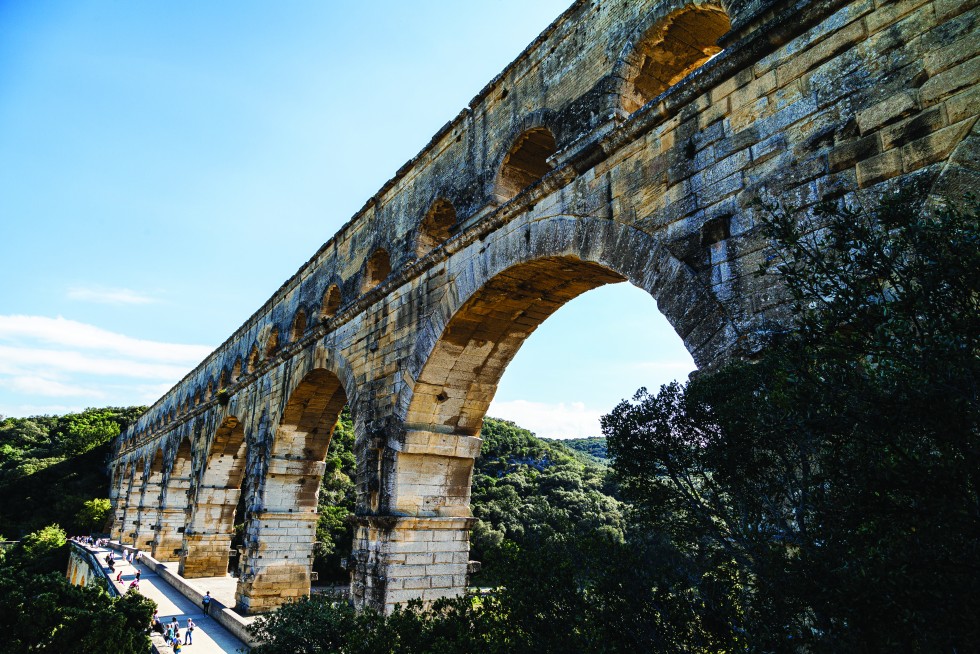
[(51, 465), (593, 447)]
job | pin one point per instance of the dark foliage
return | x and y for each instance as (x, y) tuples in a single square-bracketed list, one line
[(40, 611), (830, 488), (527, 489)]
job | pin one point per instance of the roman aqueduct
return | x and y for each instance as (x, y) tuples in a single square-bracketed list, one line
[(626, 143)]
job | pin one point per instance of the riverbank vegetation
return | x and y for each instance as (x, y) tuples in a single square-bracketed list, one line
[(820, 495)]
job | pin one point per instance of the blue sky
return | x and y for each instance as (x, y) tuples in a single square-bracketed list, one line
[(165, 166)]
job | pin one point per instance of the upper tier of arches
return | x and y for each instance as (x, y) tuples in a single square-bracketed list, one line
[(516, 133)]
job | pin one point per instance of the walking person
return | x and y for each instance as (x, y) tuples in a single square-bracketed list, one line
[(189, 633)]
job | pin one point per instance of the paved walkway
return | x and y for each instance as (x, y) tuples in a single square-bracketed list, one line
[(209, 636)]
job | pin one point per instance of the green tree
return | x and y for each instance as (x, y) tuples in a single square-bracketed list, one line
[(93, 515), (334, 530), (527, 489), (45, 613), (830, 488)]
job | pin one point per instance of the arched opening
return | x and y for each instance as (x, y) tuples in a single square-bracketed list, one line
[(377, 269), (452, 393), (120, 500), (150, 503), (236, 371), (272, 345), (620, 342), (276, 570), (435, 227), (331, 302), (526, 162), (460, 377), (253, 359), (670, 51), (173, 511), (299, 326), (207, 539)]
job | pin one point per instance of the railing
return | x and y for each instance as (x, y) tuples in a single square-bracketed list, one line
[(93, 562)]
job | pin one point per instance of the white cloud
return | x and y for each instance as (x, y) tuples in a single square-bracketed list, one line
[(22, 360), (562, 420), (103, 295), (44, 357), (73, 334), (47, 387)]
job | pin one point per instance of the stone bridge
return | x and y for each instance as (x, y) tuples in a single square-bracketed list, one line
[(626, 143)]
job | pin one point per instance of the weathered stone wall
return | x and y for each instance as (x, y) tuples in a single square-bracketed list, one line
[(626, 165)]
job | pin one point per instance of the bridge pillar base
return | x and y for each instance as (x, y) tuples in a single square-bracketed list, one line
[(401, 558), (207, 543), (170, 537), (278, 560), (204, 555)]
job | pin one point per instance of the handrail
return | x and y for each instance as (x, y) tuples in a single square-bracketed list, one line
[(96, 565)]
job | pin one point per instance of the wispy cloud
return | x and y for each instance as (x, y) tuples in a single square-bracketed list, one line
[(102, 295), (38, 386), (73, 334), (19, 360), (43, 357), (562, 420)]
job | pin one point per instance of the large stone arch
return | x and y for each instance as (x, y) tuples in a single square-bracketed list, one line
[(281, 528), (149, 505), (173, 510), (207, 538), (634, 255), (120, 497), (504, 288)]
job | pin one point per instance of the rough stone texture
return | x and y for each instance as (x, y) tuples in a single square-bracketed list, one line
[(562, 175)]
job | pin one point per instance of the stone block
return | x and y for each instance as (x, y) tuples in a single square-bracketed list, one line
[(879, 168), (934, 147), (949, 82), (887, 111)]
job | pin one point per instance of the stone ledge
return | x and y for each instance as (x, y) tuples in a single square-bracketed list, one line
[(297, 516), (393, 522), (436, 444)]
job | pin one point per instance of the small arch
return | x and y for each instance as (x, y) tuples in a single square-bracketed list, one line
[(669, 50), (236, 370), (223, 380), (435, 226), (525, 163), (378, 267), (272, 344), (299, 326), (331, 302), (253, 359), (210, 391)]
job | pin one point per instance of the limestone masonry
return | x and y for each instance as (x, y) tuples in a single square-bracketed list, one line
[(628, 142)]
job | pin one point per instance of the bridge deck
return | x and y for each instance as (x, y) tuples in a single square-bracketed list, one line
[(209, 636)]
